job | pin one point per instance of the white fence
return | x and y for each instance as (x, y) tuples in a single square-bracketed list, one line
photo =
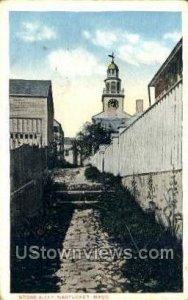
[(153, 143)]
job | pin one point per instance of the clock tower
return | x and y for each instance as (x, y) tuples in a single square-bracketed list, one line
[(113, 115)]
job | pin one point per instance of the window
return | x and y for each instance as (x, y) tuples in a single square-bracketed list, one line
[(26, 136), (30, 136), (16, 135), (55, 129), (35, 136), (66, 152), (11, 135), (113, 87), (21, 136)]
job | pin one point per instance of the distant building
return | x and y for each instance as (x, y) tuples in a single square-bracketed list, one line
[(168, 75), (113, 115), (31, 113), (59, 139), (70, 154)]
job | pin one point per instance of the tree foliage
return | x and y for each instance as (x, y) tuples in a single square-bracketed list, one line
[(90, 137)]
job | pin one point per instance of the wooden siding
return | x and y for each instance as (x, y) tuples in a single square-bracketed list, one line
[(153, 143), (32, 114)]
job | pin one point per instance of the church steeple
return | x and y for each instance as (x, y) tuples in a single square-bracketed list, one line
[(113, 114), (112, 82)]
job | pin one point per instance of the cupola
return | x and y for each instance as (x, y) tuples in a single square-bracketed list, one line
[(113, 70)]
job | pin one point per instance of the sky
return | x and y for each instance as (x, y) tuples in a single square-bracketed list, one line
[(71, 49)]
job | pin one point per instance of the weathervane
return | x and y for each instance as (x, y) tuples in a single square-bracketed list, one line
[(112, 56)]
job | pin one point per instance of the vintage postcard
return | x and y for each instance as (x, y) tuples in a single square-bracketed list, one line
[(93, 181)]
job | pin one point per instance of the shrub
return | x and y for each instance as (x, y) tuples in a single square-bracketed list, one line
[(92, 173)]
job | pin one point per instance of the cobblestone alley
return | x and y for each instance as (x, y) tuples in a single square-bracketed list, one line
[(90, 253), (89, 273)]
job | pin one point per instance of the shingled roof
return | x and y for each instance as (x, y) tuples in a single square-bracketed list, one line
[(31, 88)]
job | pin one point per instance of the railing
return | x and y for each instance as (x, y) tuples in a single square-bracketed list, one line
[(121, 92)]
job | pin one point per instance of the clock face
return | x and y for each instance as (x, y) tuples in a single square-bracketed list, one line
[(113, 103)]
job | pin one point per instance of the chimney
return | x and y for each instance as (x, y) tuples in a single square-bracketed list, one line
[(139, 106)]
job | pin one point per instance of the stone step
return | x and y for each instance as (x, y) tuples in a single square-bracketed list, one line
[(79, 192), (78, 202)]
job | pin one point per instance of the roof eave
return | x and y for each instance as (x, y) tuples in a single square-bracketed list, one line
[(169, 58), (28, 95)]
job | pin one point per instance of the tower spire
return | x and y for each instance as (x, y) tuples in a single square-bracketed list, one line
[(112, 56)]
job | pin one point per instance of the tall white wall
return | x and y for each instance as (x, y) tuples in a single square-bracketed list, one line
[(153, 142), (98, 159), (151, 146)]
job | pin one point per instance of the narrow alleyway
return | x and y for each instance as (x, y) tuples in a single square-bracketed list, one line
[(86, 225), (87, 268)]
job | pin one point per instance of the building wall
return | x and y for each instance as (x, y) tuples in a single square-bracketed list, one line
[(50, 118), (25, 110), (161, 196), (170, 75), (150, 146), (28, 169), (25, 131)]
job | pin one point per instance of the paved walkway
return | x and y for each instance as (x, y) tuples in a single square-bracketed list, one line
[(92, 272), (86, 268), (75, 179)]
